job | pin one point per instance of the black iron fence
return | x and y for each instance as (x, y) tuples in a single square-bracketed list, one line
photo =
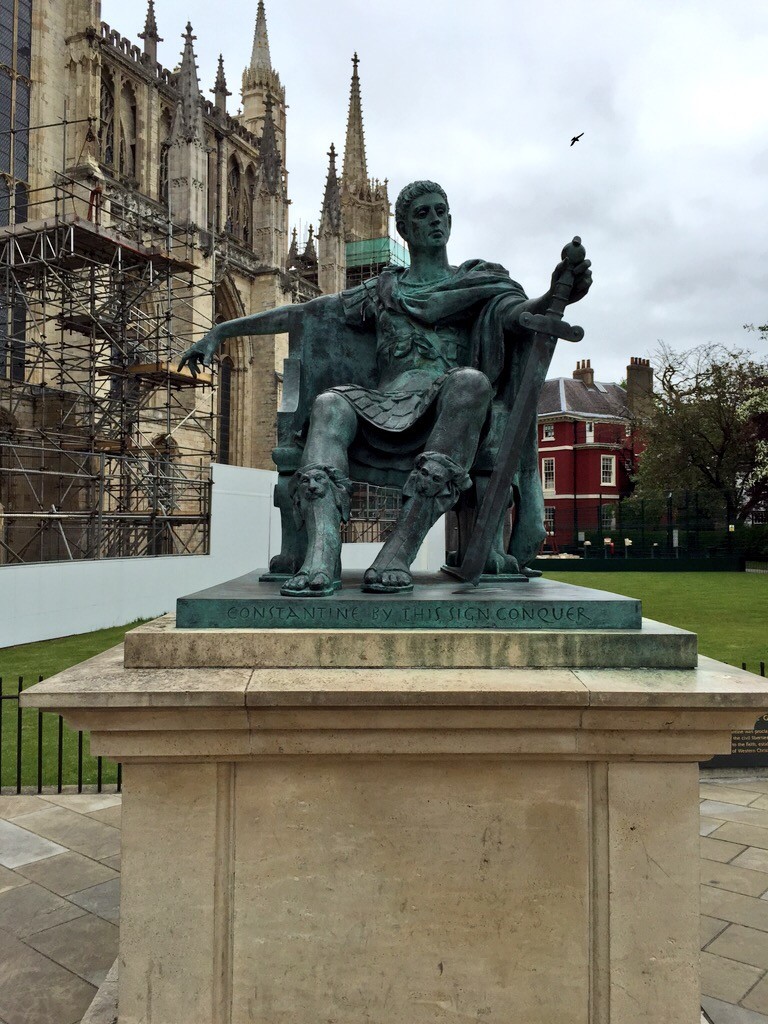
[(678, 524), (39, 753)]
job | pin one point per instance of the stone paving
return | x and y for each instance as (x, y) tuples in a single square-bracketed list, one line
[(59, 900), (59, 904)]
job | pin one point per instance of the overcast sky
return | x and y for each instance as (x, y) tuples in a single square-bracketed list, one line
[(668, 187)]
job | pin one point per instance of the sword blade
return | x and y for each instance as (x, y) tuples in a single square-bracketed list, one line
[(496, 497)]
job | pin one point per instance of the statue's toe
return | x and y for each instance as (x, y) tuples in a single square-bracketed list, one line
[(296, 585), (319, 581), (387, 581)]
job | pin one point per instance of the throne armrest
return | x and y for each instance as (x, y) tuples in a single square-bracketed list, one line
[(323, 352)]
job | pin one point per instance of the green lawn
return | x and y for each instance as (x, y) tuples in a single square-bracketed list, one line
[(30, 662), (728, 610)]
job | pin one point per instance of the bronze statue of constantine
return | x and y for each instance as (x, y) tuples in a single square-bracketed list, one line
[(419, 371)]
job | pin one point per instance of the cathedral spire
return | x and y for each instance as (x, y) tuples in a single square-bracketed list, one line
[(269, 152), (293, 251), (188, 123), (260, 60), (310, 253), (219, 90), (330, 215), (355, 173), (259, 80), (149, 35)]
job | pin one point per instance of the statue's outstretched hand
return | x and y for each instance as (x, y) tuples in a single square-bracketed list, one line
[(201, 353)]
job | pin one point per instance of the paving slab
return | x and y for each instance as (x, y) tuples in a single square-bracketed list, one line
[(30, 908), (757, 998), (752, 857), (13, 806), (84, 803), (746, 945), (102, 900), (726, 979), (109, 815), (735, 879), (733, 906), (10, 879), (67, 873), (717, 849), (726, 1013), (710, 928), (729, 794), (86, 946), (749, 835), (35, 990), (19, 846), (74, 831), (735, 812)]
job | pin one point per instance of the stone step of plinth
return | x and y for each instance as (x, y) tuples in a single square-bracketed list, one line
[(161, 644)]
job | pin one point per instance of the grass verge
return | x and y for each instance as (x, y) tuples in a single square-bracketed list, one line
[(36, 744), (728, 610)]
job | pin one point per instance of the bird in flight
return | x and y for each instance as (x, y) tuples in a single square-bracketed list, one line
[(576, 138)]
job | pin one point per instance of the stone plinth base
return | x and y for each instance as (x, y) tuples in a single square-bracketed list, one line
[(408, 846)]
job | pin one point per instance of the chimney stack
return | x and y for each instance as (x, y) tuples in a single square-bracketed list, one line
[(585, 373), (639, 386)]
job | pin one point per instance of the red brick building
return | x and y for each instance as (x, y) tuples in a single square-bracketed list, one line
[(588, 451)]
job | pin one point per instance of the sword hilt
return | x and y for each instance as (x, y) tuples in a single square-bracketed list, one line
[(574, 253)]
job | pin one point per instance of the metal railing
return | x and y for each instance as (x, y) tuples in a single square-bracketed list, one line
[(39, 753)]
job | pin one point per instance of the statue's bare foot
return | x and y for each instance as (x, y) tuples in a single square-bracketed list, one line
[(499, 563), (387, 581), (310, 584)]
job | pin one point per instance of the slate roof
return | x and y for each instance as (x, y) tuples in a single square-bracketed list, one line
[(570, 397)]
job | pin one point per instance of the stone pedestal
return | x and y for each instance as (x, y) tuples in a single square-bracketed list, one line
[(419, 845)]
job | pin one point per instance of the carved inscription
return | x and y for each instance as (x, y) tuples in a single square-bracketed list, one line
[(409, 616)]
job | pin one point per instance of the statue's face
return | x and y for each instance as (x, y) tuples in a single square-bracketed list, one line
[(428, 223)]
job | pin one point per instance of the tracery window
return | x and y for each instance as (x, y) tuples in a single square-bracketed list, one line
[(225, 410), (107, 121), (126, 163), (246, 206), (15, 68), (165, 135), (233, 225)]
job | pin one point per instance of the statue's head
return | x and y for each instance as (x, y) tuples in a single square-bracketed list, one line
[(409, 195)]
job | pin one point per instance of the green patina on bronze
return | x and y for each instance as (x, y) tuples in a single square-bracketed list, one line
[(425, 378), (246, 603)]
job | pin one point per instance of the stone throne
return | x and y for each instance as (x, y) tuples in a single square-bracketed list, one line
[(324, 352)]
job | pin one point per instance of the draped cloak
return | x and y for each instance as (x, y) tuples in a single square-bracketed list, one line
[(423, 334)]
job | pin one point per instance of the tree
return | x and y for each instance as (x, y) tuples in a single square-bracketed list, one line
[(707, 427)]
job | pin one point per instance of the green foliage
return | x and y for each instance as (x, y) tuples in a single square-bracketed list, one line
[(708, 427), (30, 661), (727, 610)]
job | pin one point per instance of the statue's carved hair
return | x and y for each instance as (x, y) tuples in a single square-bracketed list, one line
[(413, 191)]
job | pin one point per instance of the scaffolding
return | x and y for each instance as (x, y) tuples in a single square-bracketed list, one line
[(105, 449), (367, 258)]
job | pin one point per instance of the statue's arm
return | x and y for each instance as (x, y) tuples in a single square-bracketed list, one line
[(271, 321), (582, 282)]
